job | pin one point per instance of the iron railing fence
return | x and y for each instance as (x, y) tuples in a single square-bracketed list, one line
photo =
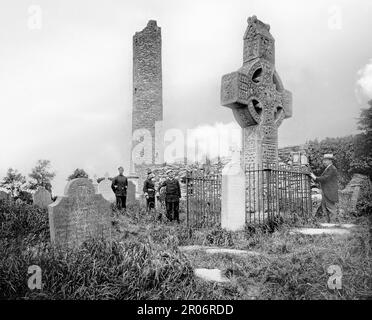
[(203, 199), (277, 191), (272, 191)]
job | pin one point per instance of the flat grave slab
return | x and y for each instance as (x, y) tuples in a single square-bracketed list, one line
[(192, 248), (212, 250), (210, 275), (336, 225), (318, 231), (231, 251)]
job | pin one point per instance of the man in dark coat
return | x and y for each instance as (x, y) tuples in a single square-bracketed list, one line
[(149, 192), (119, 186), (329, 185), (161, 194), (172, 196)]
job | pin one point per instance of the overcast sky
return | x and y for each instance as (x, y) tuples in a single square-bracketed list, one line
[(66, 80)]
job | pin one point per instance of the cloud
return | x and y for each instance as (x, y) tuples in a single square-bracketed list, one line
[(212, 140), (364, 83), (201, 142)]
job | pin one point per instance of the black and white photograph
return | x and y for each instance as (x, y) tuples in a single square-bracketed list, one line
[(193, 157)]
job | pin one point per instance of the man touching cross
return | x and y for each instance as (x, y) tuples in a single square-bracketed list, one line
[(329, 185)]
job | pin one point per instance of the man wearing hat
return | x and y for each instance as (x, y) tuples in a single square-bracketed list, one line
[(172, 196), (329, 185), (149, 192), (161, 194), (120, 185)]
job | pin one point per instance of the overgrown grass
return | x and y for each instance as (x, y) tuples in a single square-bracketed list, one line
[(295, 266), (288, 267), (97, 270), (142, 264), (143, 260)]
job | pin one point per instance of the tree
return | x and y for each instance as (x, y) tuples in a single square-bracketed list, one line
[(101, 179), (25, 196), (343, 151), (362, 162), (14, 182), (41, 176), (365, 120), (78, 173), (353, 154)]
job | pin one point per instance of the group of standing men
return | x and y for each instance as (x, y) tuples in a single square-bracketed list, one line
[(168, 193)]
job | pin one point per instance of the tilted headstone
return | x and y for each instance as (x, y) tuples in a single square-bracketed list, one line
[(258, 100), (104, 188), (42, 197), (79, 214), (233, 195), (349, 196)]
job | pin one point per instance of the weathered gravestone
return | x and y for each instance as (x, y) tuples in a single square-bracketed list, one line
[(42, 197), (95, 183), (135, 187), (131, 192), (259, 103), (79, 215), (4, 195), (350, 195), (104, 188), (233, 195)]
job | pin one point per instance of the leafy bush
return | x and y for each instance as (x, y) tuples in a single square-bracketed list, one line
[(25, 196), (23, 220), (353, 154), (343, 151), (14, 182), (364, 204), (362, 162), (78, 173)]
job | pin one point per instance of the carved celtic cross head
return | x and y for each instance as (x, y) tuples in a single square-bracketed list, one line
[(255, 92)]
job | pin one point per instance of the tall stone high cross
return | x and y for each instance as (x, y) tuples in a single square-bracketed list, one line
[(257, 97)]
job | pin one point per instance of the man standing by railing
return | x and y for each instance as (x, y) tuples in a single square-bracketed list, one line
[(329, 185), (172, 196)]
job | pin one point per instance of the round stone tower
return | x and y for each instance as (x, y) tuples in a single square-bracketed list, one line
[(147, 114)]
